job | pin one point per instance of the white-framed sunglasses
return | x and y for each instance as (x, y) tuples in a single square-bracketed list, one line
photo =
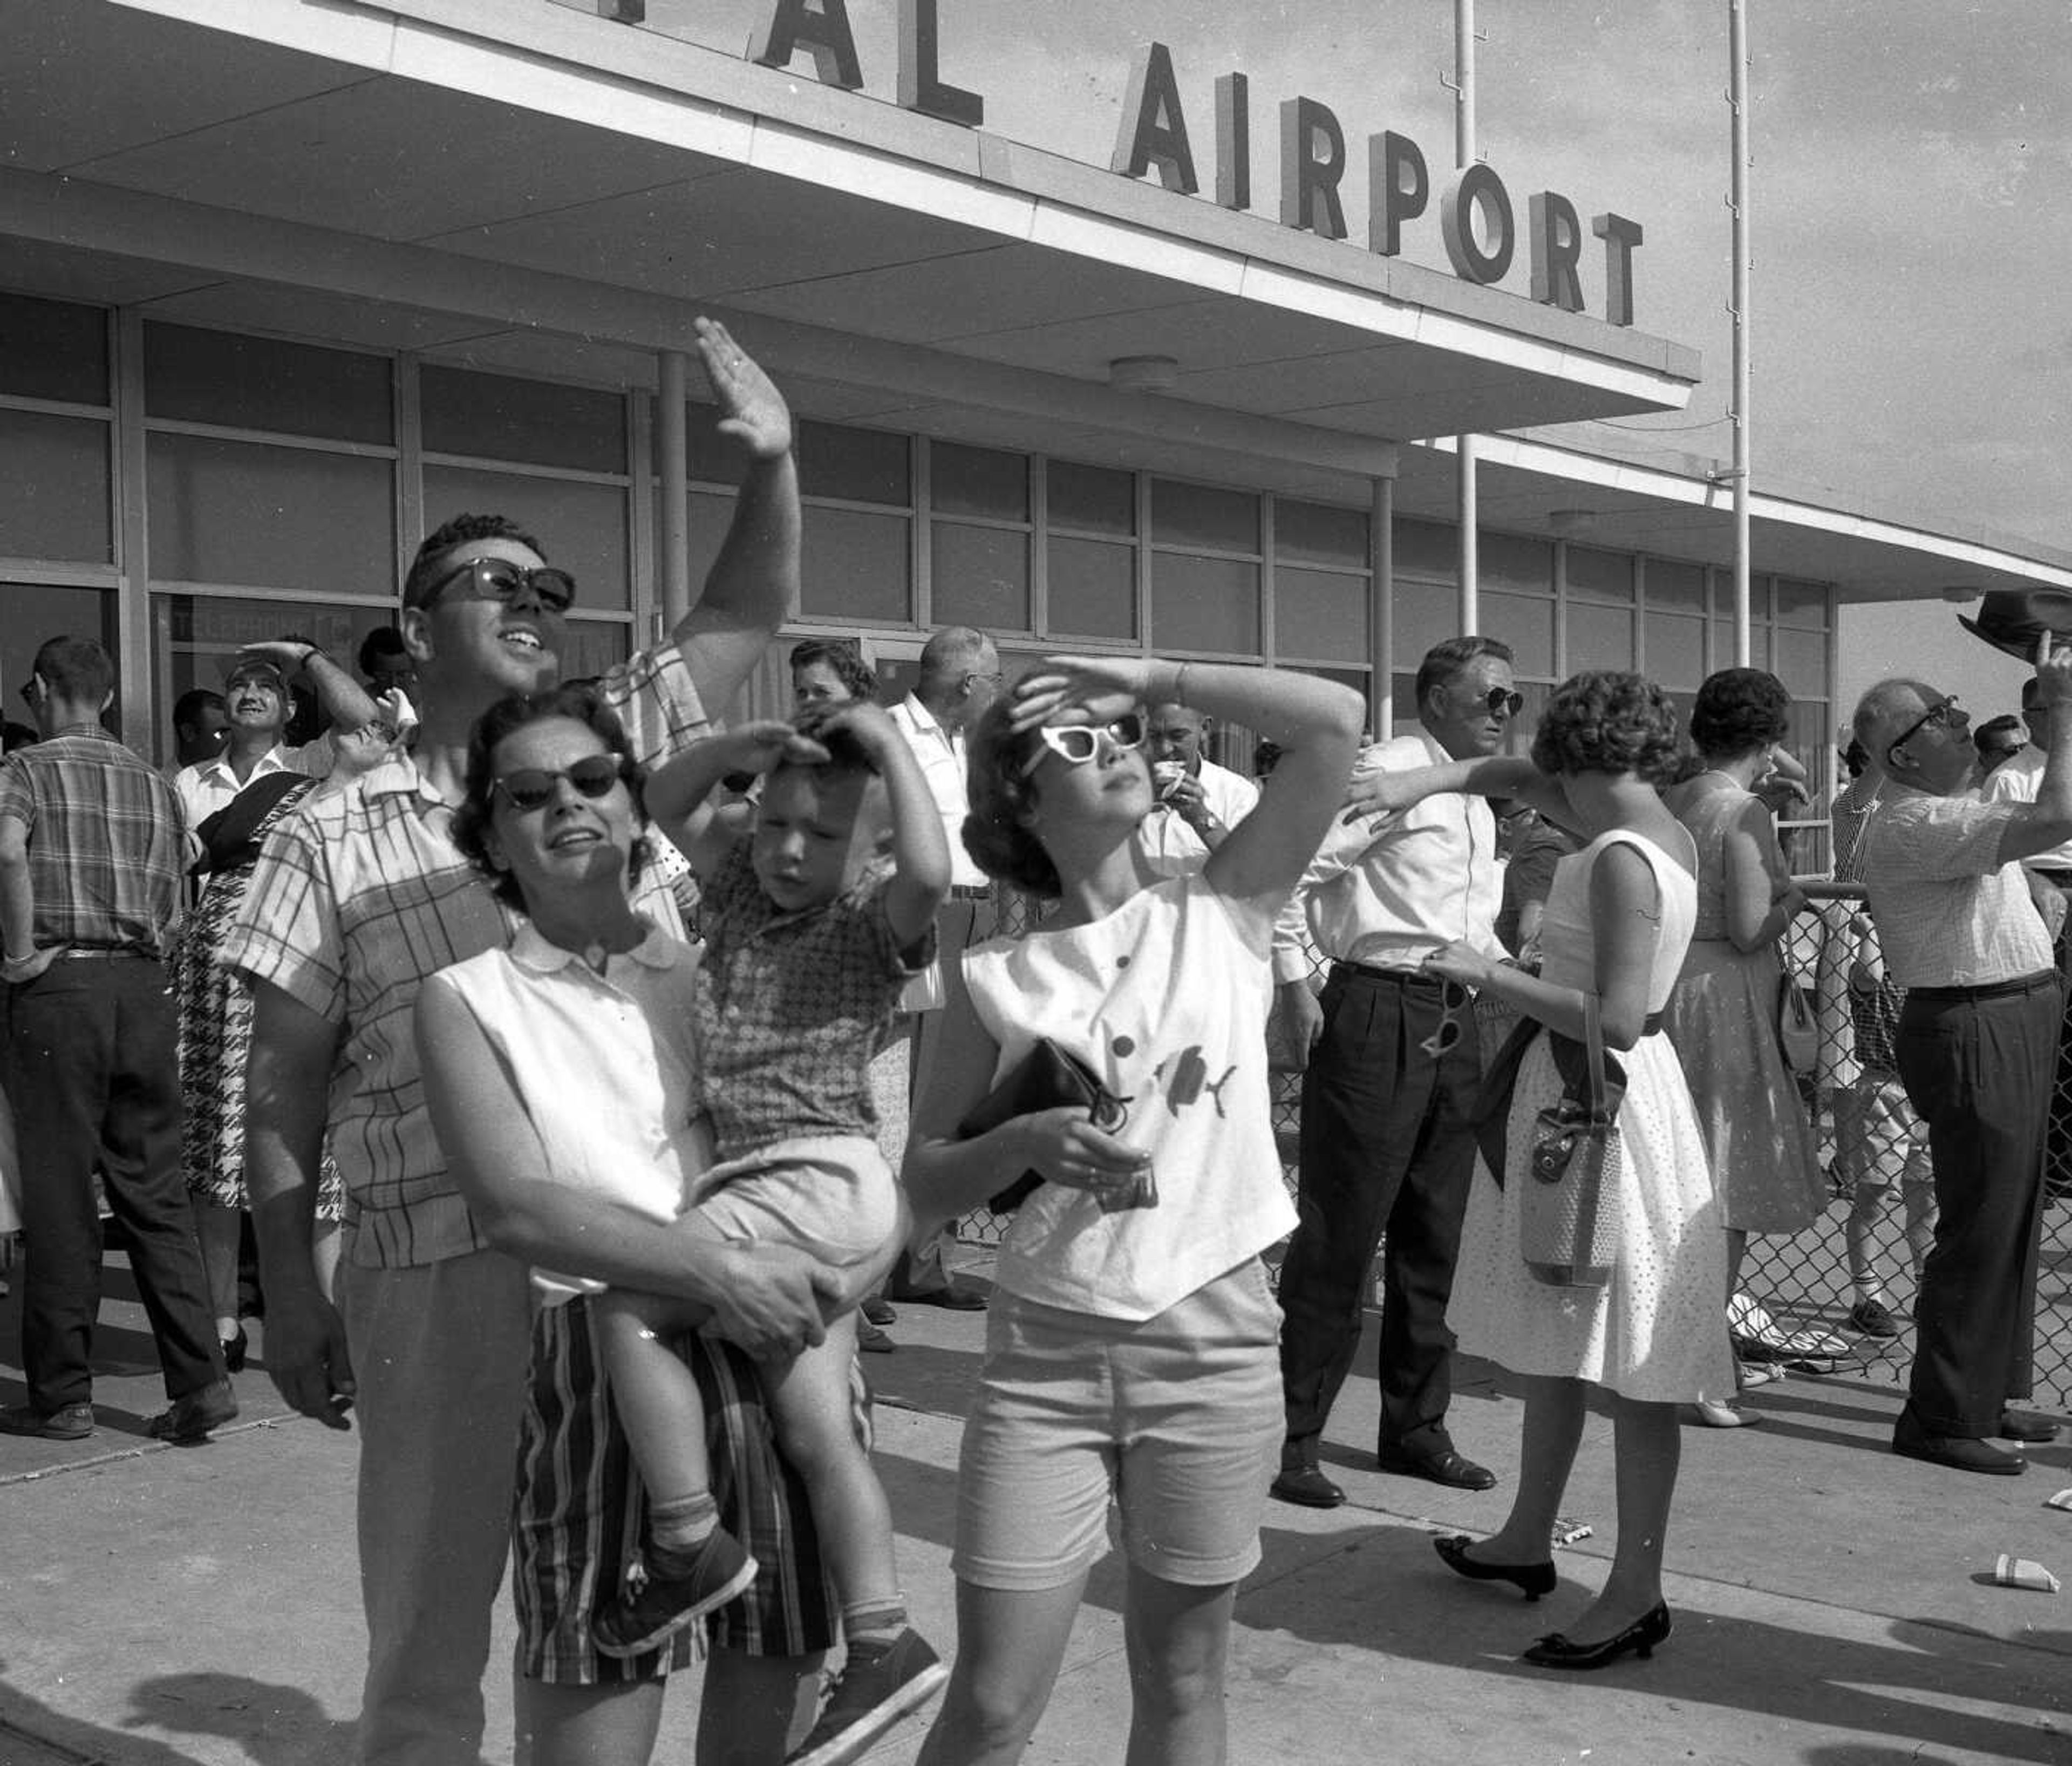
[(1076, 743)]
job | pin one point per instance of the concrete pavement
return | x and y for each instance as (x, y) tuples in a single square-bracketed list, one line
[(168, 1606)]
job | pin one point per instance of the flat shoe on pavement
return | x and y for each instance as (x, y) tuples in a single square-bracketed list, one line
[(952, 1298), (2025, 1426), (1959, 1453), (1306, 1487), (67, 1423), (878, 1311), (1454, 1469), (192, 1416), (872, 1341)]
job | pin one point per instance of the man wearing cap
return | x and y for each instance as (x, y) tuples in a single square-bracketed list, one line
[(1977, 1041), (431, 1343), (92, 850), (1394, 1068), (256, 702)]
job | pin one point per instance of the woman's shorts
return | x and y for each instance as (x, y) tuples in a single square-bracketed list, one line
[(1176, 1422), (576, 1522), (831, 1196)]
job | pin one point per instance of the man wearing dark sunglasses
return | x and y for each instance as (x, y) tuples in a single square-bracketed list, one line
[(1976, 1046), (1387, 1145), (362, 898)]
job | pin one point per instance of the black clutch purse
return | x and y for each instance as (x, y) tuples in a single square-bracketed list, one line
[(1045, 1078)]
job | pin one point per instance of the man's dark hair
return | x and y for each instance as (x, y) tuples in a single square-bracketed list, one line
[(188, 708), (1443, 662), (77, 669), (426, 571), (382, 641), (842, 655), (1985, 737)]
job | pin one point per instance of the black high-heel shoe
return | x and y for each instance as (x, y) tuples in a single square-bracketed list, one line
[(234, 1349), (1532, 1580), (1640, 1638)]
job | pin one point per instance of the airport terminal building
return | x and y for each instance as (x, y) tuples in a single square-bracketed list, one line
[(284, 284)]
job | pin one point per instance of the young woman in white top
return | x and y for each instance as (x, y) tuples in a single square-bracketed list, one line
[(1130, 1352)]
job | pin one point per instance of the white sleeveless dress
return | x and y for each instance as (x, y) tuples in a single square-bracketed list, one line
[(1654, 1332)]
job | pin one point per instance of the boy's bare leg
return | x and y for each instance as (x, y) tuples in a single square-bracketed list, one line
[(655, 1393)]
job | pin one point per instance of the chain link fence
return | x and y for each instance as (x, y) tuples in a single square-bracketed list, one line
[(1876, 1173)]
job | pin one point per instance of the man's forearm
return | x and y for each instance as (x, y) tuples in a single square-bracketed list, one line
[(344, 700), (17, 907)]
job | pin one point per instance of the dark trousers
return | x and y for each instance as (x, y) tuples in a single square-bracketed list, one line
[(1979, 1072), (90, 1072), (1387, 1146)]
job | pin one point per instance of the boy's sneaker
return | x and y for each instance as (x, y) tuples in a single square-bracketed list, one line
[(1872, 1318), (652, 1609), (879, 1684)]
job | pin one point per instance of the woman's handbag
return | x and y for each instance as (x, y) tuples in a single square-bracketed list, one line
[(1044, 1079), (1568, 1205), (1797, 1034)]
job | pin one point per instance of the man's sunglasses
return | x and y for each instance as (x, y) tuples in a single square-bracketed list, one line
[(532, 787), (1503, 700), (1943, 712), (498, 579), (1076, 743)]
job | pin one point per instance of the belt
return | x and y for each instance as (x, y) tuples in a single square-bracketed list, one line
[(76, 951), (970, 891), (1401, 978), (1990, 990)]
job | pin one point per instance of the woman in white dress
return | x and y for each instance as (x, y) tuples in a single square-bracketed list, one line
[(1131, 1348), (1615, 930)]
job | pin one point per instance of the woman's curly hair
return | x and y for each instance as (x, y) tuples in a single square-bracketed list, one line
[(999, 798), (1605, 722), (579, 704), (1738, 709)]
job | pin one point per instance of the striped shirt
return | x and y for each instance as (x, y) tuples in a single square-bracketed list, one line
[(107, 843), (354, 902)]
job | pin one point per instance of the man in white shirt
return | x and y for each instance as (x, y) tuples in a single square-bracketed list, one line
[(1198, 803), (960, 673), (1388, 1095), (1976, 1047), (258, 702)]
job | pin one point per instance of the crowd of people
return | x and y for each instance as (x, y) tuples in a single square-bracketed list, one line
[(598, 1082)]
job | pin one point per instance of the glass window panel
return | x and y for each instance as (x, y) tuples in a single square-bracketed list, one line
[(1318, 533), (1092, 588), (1201, 514), (32, 612), (499, 417), (1204, 604), (54, 493), (1802, 662), (1676, 648), (860, 566), (1723, 643), (195, 639), (711, 458), (1426, 614), (1428, 547), (1598, 638), (979, 481), (1526, 622), (53, 349), (1674, 584), (857, 465), (243, 512), (595, 645), (1505, 561), (1600, 575), (1801, 603), (711, 513), (980, 577), (1318, 612), (1518, 733), (581, 526), (265, 383), (1095, 498), (1405, 688)]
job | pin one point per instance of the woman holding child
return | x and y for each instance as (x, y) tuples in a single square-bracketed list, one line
[(1130, 1346)]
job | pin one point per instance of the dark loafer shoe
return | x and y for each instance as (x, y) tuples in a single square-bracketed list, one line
[(189, 1420), (2025, 1426), (950, 1298), (1306, 1487), (68, 1423), (878, 1311), (1959, 1453), (1442, 1465)]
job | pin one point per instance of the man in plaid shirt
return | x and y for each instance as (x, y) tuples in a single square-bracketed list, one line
[(352, 904), (92, 848)]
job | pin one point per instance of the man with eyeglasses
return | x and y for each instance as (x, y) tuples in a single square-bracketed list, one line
[(1976, 1046), (960, 673), (1394, 1066), (430, 1342)]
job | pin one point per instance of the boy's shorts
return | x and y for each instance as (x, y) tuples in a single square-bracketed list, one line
[(831, 1196), (576, 1522), (1878, 1139), (1176, 1422)]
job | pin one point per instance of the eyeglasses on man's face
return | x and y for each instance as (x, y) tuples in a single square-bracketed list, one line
[(1076, 743), (499, 579), (1943, 715)]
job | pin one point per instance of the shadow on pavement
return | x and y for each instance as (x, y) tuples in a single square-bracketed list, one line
[(276, 1726)]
